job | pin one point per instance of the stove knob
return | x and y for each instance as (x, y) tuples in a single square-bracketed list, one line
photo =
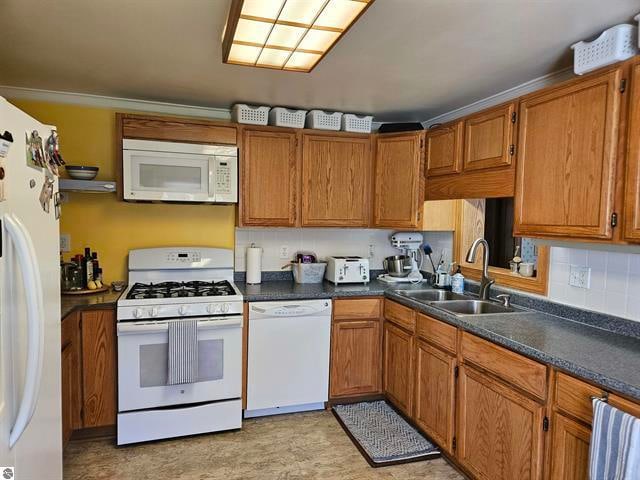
[(225, 308), (183, 310), (138, 313), (153, 312), (211, 308)]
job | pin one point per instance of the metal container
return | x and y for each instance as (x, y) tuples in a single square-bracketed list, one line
[(397, 265)]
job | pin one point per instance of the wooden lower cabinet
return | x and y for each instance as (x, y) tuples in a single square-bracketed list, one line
[(398, 367), (500, 431), (355, 358), (569, 449), (70, 377), (435, 393)]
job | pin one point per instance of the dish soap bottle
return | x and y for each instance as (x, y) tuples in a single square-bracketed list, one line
[(457, 282)]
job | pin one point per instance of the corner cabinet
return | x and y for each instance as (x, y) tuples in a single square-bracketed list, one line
[(632, 193), (269, 165), (399, 180), (336, 180), (566, 173)]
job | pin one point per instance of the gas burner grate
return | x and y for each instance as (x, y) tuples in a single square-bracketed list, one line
[(195, 288)]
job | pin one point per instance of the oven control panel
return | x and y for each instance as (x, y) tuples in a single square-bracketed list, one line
[(183, 257), (177, 310)]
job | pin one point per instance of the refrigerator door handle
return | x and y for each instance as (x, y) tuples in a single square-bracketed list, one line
[(32, 285)]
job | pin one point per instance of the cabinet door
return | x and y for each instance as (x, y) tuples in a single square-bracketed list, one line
[(569, 449), (355, 358), (399, 181), (444, 149), (499, 429), (488, 137), (435, 386), (71, 376), (336, 179), (99, 367), (269, 167), (398, 367), (567, 159), (632, 195)]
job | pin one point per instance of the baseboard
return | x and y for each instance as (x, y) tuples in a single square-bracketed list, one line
[(108, 431)]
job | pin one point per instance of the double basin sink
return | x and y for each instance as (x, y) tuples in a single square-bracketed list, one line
[(455, 303)]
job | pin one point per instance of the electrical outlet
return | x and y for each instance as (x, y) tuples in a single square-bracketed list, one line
[(284, 251), (372, 251), (65, 242), (580, 276)]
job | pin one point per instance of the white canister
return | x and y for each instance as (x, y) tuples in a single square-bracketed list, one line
[(526, 269), (254, 264)]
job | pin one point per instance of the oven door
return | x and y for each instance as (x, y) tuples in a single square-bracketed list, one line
[(143, 364), (168, 176)]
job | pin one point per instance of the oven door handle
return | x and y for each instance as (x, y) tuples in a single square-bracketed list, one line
[(134, 328)]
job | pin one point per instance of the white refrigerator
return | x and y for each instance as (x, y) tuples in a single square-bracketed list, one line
[(30, 409)]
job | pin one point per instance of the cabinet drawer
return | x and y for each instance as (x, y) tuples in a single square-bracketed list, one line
[(358, 308), (400, 315), (436, 332), (574, 397), (511, 367)]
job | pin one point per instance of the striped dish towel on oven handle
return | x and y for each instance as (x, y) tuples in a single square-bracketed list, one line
[(615, 444), (183, 352)]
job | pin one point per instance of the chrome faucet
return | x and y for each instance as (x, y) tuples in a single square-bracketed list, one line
[(485, 281)]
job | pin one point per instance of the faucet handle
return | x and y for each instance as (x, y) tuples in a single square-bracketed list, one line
[(505, 298)]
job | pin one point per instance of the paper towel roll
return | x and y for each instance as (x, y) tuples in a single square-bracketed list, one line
[(254, 264)]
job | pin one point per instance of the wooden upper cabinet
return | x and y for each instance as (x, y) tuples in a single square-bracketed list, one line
[(336, 180), (399, 180), (566, 169), (177, 129), (499, 430), (444, 149), (632, 195), (489, 138), (269, 178)]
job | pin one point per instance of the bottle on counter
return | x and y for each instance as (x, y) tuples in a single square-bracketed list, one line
[(457, 282), (87, 269)]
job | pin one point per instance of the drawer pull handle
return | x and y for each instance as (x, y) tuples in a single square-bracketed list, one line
[(603, 398)]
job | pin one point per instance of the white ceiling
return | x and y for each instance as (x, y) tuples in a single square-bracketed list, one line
[(403, 60)]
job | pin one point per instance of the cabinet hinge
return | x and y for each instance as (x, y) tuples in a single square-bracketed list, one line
[(623, 85), (545, 424), (456, 372), (614, 219), (454, 443), (512, 149), (514, 115)]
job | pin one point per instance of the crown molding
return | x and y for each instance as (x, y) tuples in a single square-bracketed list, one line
[(102, 101), (505, 95)]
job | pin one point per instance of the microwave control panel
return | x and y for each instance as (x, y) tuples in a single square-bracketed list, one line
[(225, 178)]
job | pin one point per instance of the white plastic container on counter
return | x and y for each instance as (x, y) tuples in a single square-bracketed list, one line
[(308, 272)]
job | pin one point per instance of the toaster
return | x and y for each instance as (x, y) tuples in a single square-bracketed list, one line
[(347, 270)]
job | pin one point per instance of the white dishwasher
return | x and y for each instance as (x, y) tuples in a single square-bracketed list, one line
[(288, 356)]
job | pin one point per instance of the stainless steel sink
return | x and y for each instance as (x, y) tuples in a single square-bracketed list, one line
[(472, 307), (431, 295)]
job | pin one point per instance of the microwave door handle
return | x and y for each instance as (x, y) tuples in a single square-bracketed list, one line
[(32, 285), (212, 171)]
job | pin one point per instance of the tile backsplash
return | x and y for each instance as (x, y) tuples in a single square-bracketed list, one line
[(329, 241), (614, 286)]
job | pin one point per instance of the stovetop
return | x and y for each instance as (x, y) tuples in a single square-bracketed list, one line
[(194, 288)]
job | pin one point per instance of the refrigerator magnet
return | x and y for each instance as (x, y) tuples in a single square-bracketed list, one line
[(35, 151), (6, 139)]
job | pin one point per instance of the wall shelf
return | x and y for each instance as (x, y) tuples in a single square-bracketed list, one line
[(87, 186)]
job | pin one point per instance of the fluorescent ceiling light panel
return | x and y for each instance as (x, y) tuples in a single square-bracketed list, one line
[(287, 34)]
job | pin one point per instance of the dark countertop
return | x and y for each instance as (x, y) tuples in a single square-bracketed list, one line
[(606, 358), (90, 301)]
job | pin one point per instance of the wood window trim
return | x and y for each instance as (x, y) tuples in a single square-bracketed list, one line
[(469, 226)]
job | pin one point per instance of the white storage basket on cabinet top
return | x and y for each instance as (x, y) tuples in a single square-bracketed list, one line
[(323, 120), (356, 123), (613, 45), (286, 117), (242, 113)]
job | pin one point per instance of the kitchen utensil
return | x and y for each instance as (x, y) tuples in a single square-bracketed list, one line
[(526, 269), (82, 172), (397, 265), (66, 276), (306, 257)]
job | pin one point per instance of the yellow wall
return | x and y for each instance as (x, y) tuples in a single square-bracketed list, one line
[(110, 227)]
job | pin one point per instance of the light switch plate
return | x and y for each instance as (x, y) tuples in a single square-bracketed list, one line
[(580, 276), (65, 242)]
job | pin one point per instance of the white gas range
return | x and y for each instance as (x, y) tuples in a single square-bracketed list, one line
[(172, 285)]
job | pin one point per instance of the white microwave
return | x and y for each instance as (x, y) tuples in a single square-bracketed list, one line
[(179, 172)]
